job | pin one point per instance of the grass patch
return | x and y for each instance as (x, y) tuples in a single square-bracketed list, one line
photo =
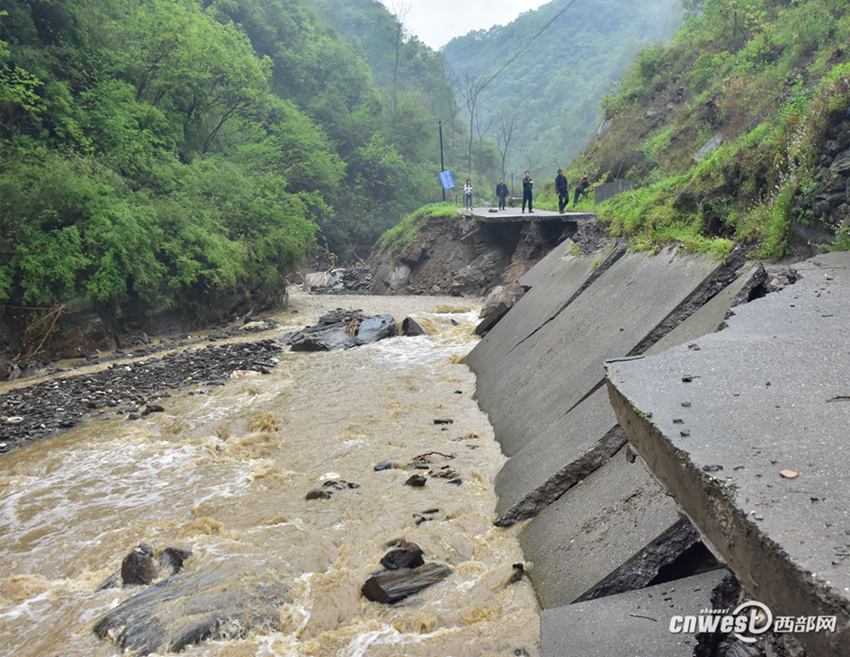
[(403, 234)]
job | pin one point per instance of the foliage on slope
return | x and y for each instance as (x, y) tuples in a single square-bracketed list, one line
[(734, 132), (404, 233), (553, 89), (184, 154), (413, 76)]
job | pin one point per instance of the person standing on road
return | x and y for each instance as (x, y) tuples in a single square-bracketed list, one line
[(581, 188), (563, 191), (501, 193), (467, 193), (527, 192)]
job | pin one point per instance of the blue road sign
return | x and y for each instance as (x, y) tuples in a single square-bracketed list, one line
[(447, 179)]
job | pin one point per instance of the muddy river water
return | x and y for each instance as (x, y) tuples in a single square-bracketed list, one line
[(226, 474)]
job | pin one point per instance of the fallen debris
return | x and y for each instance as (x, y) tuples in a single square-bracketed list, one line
[(343, 329), (189, 608), (389, 586)]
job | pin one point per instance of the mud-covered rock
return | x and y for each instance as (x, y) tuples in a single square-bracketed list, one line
[(389, 586), (343, 329), (497, 304), (411, 328), (220, 602), (140, 566), (405, 555)]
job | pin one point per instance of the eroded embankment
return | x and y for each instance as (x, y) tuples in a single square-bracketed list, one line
[(455, 254), (227, 473), (600, 524)]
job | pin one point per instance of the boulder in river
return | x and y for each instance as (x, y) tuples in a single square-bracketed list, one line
[(221, 602), (351, 280), (143, 565), (140, 566), (389, 586), (416, 481), (343, 329), (411, 328), (405, 555), (496, 305)]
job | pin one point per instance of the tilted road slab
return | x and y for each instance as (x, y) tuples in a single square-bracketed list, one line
[(633, 624), (574, 445), (554, 368), (555, 282), (608, 534), (564, 454), (748, 428), (564, 250)]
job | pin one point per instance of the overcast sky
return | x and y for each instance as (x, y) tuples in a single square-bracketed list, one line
[(436, 22)]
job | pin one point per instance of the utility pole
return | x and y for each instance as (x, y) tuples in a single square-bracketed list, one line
[(442, 163)]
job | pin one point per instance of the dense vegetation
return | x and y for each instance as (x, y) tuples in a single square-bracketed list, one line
[(414, 78), (545, 104), (735, 132), (185, 154)]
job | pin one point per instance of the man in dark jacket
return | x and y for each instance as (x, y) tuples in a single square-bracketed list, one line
[(501, 193), (581, 188), (563, 191), (527, 194)]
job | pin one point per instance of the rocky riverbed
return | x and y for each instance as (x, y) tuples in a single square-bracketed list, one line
[(227, 472), (130, 390)]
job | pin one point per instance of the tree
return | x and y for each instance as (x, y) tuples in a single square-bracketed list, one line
[(504, 132), (472, 86)]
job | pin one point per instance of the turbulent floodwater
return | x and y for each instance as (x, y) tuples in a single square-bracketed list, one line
[(226, 474)]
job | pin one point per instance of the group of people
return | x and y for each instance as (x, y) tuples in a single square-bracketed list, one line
[(561, 188)]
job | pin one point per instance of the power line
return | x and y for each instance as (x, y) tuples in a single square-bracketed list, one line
[(514, 57)]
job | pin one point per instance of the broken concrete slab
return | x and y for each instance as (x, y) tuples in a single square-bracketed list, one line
[(633, 624), (719, 421), (557, 282), (576, 444), (610, 533), (557, 366), (564, 250), (567, 452)]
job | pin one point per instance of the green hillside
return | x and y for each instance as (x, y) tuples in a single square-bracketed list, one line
[(552, 91), (737, 132), (186, 154), (413, 76)]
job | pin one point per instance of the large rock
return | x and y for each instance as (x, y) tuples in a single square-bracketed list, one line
[(389, 586), (217, 603), (747, 428), (411, 328), (841, 163), (143, 566), (496, 305), (398, 277), (343, 329), (140, 566)]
